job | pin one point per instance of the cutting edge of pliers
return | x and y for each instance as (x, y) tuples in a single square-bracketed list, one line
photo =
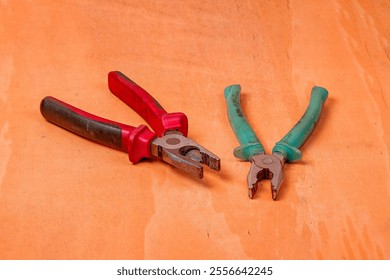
[(265, 167), (168, 143)]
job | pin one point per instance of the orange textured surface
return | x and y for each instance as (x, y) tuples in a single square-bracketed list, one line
[(63, 197)]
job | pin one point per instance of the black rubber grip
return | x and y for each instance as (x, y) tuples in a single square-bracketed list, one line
[(99, 130)]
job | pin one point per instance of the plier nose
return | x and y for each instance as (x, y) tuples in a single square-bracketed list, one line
[(184, 154), (265, 167)]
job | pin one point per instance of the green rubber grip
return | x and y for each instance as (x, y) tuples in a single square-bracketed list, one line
[(249, 143), (289, 145)]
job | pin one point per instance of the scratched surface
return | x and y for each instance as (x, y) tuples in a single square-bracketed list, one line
[(63, 197)]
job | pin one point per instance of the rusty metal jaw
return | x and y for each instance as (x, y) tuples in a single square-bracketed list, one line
[(184, 153), (266, 167)]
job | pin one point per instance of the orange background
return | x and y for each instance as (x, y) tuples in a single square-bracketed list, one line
[(63, 197)]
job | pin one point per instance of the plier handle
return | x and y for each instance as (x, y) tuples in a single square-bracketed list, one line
[(169, 142), (286, 150)]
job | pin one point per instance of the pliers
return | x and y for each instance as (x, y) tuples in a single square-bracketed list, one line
[(286, 150), (169, 142)]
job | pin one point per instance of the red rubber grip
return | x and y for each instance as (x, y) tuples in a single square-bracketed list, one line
[(145, 105), (134, 141)]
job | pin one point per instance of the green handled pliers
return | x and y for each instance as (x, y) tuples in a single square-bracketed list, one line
[(286, 150)]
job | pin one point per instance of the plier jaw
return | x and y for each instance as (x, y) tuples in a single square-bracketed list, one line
[(265, 167), (184, 153)]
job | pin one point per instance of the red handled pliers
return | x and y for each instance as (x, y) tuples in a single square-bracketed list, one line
[(169, 142)]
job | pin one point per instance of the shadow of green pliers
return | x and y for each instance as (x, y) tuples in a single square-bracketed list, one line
[(286, 150)]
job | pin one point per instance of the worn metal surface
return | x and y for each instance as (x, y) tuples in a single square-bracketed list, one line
[(184, 154), (265, 167)]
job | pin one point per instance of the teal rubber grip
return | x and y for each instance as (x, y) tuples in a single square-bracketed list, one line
[(249, 143), (289, 145)]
